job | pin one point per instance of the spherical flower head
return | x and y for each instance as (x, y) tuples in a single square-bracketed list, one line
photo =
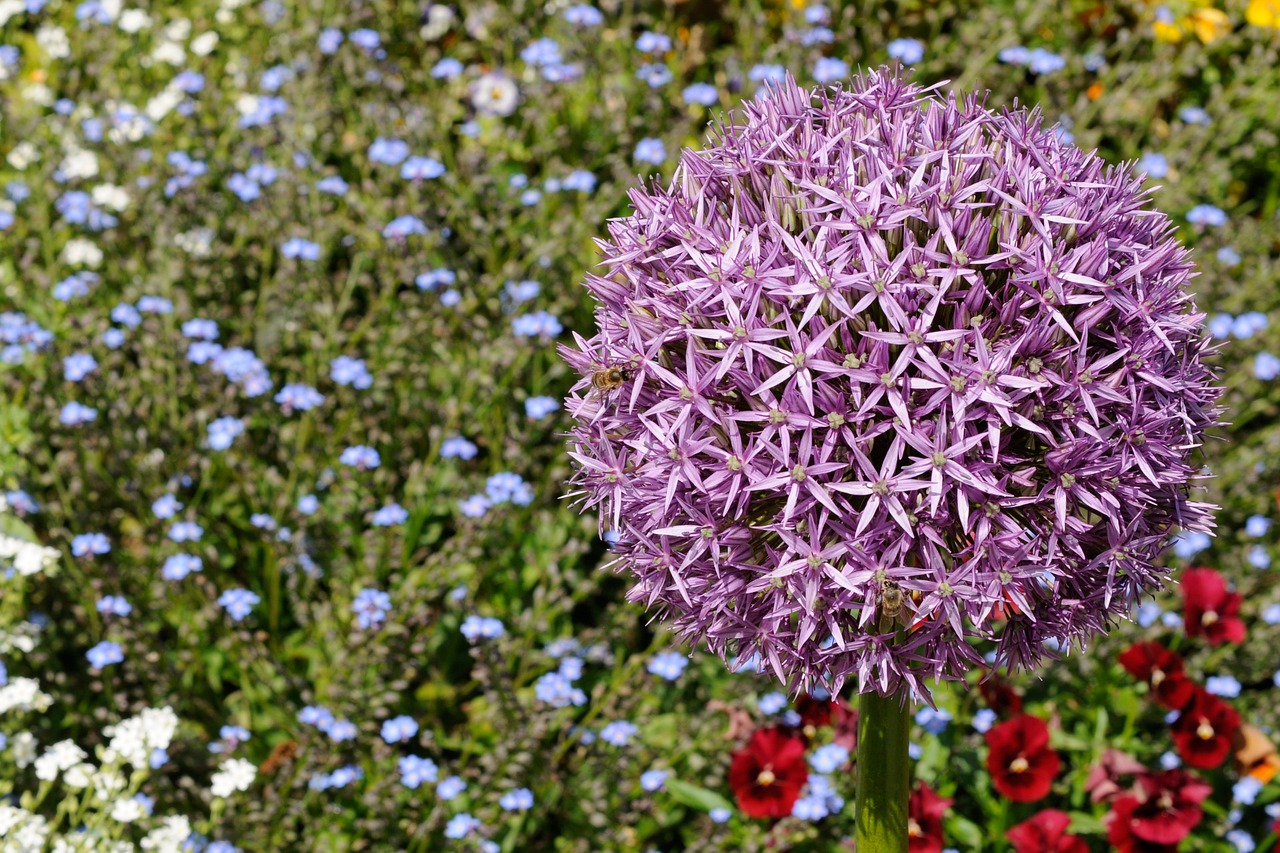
[(882, 375)]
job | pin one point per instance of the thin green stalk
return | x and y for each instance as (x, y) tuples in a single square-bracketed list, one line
[(884, 774)]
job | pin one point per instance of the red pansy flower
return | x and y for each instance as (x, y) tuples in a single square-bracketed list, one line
[(1208, 609), (1120, 830), (768, 774), (1204, 729), (1104, 777), (1162, 670), (1167, 807), (814, 714), (1021, 762), (1046, 832), (924, 820), (999, 696)]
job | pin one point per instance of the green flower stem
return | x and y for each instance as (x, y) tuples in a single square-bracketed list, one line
[(884, 774)]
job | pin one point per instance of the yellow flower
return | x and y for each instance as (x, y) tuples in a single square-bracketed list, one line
[(1209, 24), (1263, 13), (1170, 33)]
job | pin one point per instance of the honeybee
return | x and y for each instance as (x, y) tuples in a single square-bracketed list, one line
[(890, 606), (611, 378)]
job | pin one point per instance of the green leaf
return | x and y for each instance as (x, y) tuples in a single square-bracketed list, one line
[(10, 526), (963, 832), (1083, 823), (696, 796)]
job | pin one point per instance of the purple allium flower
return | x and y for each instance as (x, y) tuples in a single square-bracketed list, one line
[(874, 341)]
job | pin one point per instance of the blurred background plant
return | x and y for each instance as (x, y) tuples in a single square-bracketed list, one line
[(280, 284)]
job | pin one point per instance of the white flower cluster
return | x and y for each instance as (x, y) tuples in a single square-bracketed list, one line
[(22, 830), (236, 775), (103, 798), (135, 739), (26, 558)]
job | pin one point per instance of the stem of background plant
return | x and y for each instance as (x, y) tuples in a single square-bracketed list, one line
[(884, 774)]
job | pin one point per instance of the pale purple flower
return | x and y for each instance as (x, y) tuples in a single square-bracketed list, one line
[(371, 607), (907, 51), (360, 457), (876, 339), (104, 654), (390, 515), (238, 602), (179, 566), (650, 150), (399, 729), (414, 770)]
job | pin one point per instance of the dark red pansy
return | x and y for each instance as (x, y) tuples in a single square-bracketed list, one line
[(1168, 806), (1161, 669), (814, 714), (1204, 730), (1000, 696), (767, 775), (1208, 609), (1021, 762), (1120, 829), (924, 820), (1046, 832)]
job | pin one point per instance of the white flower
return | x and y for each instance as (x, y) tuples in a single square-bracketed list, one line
[(169, 837), (247, 104), (495, 94), (133, 20), (236, 775), (23, 745), (162, 104), (439, 19), (78, 777), (53, 41), (134, 739), (178, 29), (170, 52), (197, 242), (9, 8), (107, 783), (23, 155), (23, 694), (22, 831), (63, 755), (22, 638), (79, 163), (110, 196), (81, 252), (38, 94), (203, 44), (27, 557), (126, 811), (10, 817)]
